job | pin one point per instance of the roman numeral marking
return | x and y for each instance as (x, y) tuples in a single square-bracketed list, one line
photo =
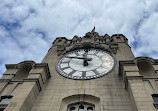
[(65, 68), (72, 72), (95, 71), (83, 73)]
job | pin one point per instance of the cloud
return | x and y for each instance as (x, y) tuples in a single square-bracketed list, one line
[(29, 25), (148, 37)]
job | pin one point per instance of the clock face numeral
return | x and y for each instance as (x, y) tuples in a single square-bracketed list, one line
[(76, 52), (72, 65), (83, 73), (64, 68), (72, 72), (95, 71)]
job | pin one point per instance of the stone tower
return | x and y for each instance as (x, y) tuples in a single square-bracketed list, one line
[(90, 73)]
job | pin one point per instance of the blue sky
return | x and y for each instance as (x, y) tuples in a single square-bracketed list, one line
[(28, 27)]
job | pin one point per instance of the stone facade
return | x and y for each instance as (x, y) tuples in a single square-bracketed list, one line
[(30, 86)]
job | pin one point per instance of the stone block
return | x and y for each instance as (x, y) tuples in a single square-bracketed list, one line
[(36, 76), (131, 68), (37, 70), (10, 71), (132, 74), (155, 67)]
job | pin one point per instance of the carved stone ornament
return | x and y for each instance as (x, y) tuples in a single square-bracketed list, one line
[(90, 40)]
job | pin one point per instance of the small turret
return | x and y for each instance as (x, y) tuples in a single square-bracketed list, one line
[(118, 38), (59, 41)]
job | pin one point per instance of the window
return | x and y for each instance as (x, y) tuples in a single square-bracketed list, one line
[(1, 109), (89, 109), (155, 98), (81, 107), (59, 40), (5, 99), (72, 108), (118, 37)]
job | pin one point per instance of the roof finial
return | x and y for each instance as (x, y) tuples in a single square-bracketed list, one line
[(93, 30)]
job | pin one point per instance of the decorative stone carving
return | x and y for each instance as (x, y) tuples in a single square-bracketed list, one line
[(90, 40), (91, 34), (87, 45), (75, 39), (114, 48)]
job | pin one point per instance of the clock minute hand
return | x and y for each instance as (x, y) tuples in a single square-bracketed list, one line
[(85, 62), (87, 59)]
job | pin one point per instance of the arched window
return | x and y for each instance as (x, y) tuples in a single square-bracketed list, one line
[(81, 108), (72, 108), (89, 109)]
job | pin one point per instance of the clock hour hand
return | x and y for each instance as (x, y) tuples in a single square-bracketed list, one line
[(87, 59)]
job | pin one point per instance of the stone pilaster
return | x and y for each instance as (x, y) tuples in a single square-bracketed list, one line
[(140, 98), (26, 95)]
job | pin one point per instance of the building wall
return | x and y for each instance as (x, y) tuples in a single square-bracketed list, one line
[(110, 89)]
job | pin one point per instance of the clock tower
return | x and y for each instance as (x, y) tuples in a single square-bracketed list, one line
[(89, 73)]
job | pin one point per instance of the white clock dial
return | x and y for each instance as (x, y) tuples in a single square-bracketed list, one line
[(85, 64)]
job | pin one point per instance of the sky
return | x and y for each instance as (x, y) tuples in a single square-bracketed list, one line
[(28, 27)]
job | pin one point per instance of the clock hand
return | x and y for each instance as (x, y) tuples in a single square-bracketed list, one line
[(87, 59), (85, 62)]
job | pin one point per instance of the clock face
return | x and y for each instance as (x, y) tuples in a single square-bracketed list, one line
[(85, 64)]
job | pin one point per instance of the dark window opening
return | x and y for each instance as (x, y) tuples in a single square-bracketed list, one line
[(1, 109), (89, 109), (5, 99), (155, 97), (59, 40), (72, 109), (117, 37), (81, 108)]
